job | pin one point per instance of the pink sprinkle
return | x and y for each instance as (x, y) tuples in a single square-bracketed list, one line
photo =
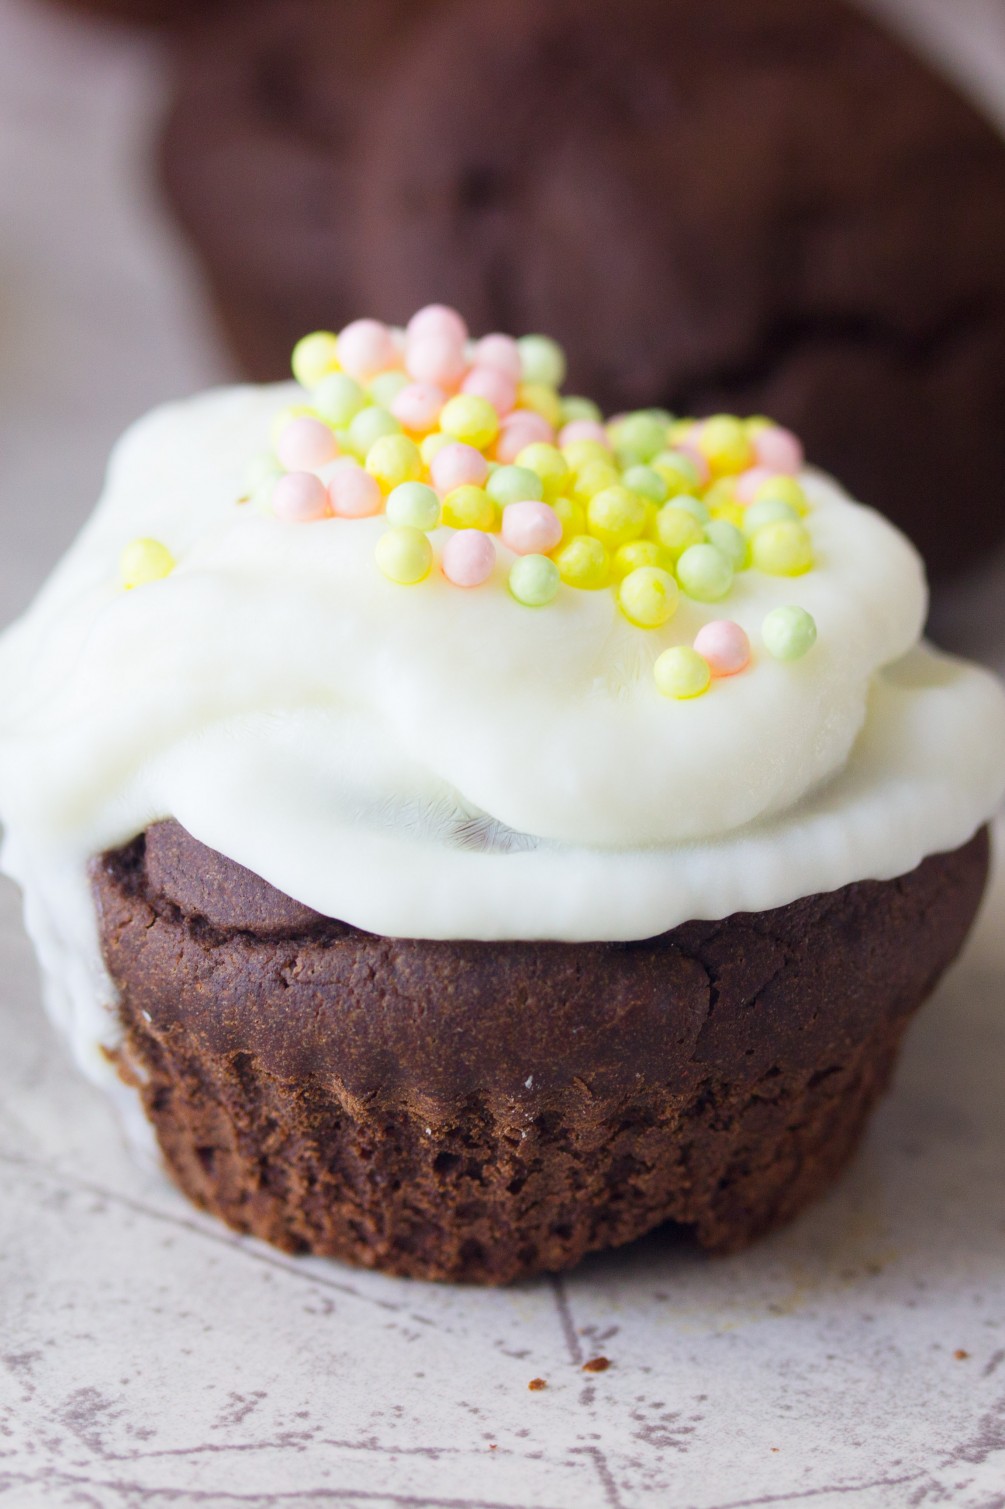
[(436, 359), (469, 557), (418, 406), (490, 383), (748, 482), (531, 528), (690, 449), (354, 494), (522, 427), (367, 347), (305, 444), (779, 449), (583, 429), (500, 352), (724, 645), (437, 320), (458, 465), (300, 497)]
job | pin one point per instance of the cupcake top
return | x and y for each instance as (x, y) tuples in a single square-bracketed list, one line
[(440, 651)]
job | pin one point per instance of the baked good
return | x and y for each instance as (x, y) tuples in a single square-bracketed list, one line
[(477, 832), (733, 205), (147, 12)]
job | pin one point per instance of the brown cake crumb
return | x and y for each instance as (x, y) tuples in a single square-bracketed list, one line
[(597, 1365), (960, 1354), (537, 1383)]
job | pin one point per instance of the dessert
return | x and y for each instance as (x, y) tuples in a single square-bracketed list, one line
[(735, 205), (478, 831)]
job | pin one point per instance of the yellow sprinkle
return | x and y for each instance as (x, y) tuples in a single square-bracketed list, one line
[(724, 443), (572, 516), (144, 561), (314, 357), (471, 420), (394, 459), (786, 490), (679, 430), (733, 513), (615, 516), (640, 553), (583, 562), (433, 443), (404, 555), (548, 463), (469, 507), (681, 672), (540, 399), (648, 597), (578, 452), (677, 530), (592, 478), (782, 549)]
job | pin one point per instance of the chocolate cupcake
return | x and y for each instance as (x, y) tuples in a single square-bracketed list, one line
[(733, 205), (478, 832)]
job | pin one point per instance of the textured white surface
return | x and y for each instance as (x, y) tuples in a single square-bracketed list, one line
[(148, 1358)]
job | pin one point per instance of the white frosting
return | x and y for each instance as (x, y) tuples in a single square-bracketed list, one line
[(430, 762)]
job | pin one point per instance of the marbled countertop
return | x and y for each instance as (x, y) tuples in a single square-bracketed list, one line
[(148, 1357)]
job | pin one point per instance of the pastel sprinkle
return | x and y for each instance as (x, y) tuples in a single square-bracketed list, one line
[(542, 360), (469, 557), (724, 644), (583, 562), (368, 426), (458, 465), (648, 597), (640, 553), (300, 498), (731, 541), (767, 511), (469, 508), (788, 632), (338, 398), (777, 448), (471, 420), (393, 459), (647, 482), (436, 359), (143, 561), (305, 444), (782, 549), (513, 484), (417, 406), (682, 672), (704, 573), (314, 356), (615, 516), (638, 437), (404, 555), (787, 489), (537, 398), (519, 429), (548, 463), (438, 321), (385, 387), (583, 429), (365, 348), (415, 504), (576, 407), (494, 386), (746, 485), (725, 445), (534, 580), (677, 530), (353, 493), (500, 352), (531, 528)]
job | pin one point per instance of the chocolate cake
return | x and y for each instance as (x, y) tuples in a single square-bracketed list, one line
[(484, 1111), (476, 832), (751, 205)]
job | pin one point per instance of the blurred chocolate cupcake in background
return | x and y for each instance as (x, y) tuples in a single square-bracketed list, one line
[(146, 12), (743, 205)]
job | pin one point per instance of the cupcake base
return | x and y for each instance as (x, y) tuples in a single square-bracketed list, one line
[(485, 1111)]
